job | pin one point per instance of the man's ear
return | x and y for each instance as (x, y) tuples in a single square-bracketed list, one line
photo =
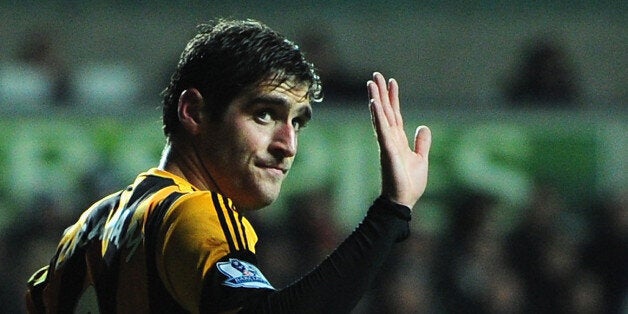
[(189, 110)]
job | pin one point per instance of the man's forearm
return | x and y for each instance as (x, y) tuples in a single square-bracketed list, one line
[(339, 282)]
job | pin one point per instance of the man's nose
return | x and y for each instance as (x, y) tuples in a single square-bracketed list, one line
[(285, 140)]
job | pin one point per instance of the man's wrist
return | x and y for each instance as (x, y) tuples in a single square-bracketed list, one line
[(399, 210)]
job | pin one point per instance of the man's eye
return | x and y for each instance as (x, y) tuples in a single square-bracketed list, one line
[(264, 116), (299, 124)]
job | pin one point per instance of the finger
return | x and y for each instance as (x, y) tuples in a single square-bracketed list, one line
[(379, 122), (369, 89), (423, 141), (384, 97), (378, 78), (377, 111), (393, 90), (372, 89), (373, 104)]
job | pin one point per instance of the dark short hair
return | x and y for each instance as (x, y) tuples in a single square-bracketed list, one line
[(226, 58)]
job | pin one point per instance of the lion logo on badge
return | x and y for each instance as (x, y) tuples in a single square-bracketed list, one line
[(241, 274)]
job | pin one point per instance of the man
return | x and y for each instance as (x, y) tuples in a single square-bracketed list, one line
[(176, 240)]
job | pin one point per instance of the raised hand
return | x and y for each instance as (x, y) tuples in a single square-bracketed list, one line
[(404, 170)]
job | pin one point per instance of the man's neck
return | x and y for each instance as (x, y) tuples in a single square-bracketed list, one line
[(185, 165)]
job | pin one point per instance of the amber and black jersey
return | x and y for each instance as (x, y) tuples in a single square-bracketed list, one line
[(163, 246)]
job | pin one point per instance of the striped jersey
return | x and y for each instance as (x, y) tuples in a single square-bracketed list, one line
[(160, 245)]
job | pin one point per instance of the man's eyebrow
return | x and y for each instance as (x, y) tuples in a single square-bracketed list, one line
[(268, 99), (305, 110)]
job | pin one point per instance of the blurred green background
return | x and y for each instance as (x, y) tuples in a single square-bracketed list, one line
[(79, 104)]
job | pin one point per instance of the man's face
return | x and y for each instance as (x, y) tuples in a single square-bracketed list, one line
[(249, 152)]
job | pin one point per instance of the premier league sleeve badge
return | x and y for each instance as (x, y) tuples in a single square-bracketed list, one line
[(241, 274)]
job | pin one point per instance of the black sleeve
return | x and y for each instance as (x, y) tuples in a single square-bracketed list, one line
[(339, 282)]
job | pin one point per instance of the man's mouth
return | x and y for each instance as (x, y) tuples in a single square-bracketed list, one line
[(275, 168)]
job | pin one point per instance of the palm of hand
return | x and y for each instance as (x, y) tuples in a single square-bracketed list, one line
[(404, 171)]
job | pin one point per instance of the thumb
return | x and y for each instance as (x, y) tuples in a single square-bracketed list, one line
[(422, 141)]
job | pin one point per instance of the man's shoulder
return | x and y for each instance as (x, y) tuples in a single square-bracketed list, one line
[(202, 202)]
